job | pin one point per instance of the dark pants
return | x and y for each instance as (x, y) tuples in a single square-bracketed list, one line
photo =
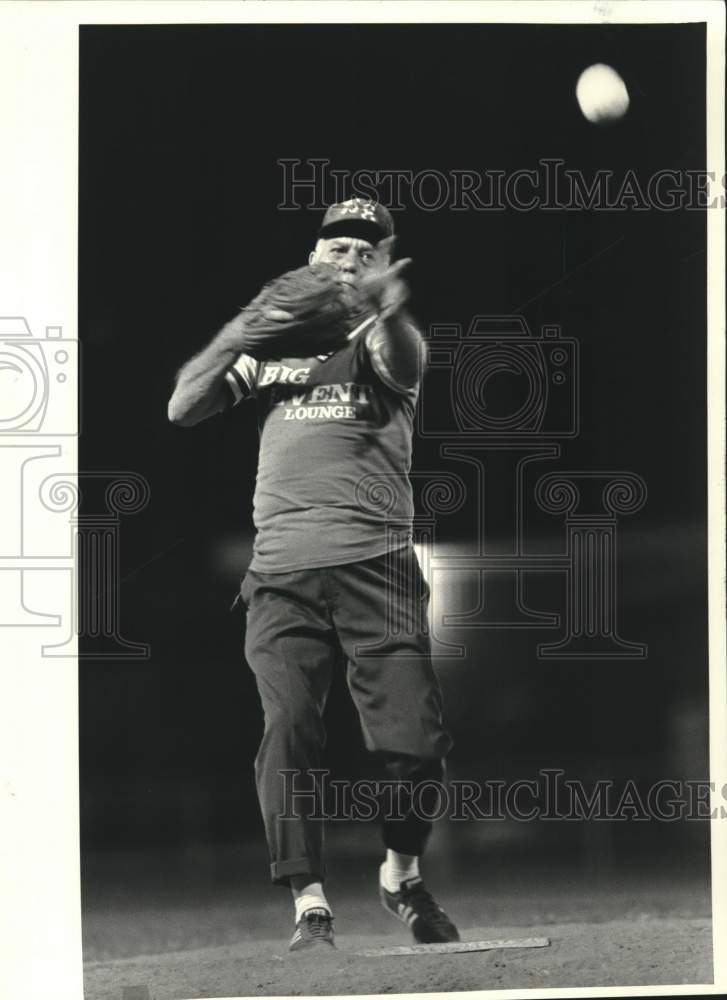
[(298, 625)]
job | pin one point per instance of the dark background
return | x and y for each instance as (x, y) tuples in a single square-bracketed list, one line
[(181, 131)]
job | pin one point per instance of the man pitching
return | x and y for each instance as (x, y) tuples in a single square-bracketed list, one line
[(334, 375)]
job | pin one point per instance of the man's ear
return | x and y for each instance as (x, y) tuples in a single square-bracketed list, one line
[(311, 256)]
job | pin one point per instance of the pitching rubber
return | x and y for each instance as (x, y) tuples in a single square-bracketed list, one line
[(456, 946)]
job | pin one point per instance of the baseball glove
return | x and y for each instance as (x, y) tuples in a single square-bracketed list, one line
[(302, 313)]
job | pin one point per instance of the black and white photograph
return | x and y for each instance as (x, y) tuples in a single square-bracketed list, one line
[(362, 580)]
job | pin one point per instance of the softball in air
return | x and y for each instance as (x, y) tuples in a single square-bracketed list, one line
[(602, 94)]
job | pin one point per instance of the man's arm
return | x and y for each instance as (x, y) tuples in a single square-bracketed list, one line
[(200, 389), (397, 349), (395, 346), (303, 312)]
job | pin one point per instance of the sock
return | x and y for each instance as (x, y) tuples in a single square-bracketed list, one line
[(311, 897), (397, 869)]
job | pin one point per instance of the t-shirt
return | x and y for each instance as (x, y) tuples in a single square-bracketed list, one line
[(335, 452)]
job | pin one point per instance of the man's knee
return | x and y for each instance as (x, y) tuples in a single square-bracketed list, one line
[(293, 726)]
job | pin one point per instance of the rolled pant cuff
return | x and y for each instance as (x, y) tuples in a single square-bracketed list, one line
[(280, 871)]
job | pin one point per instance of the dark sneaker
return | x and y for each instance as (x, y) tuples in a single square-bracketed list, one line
[(314, 927), (414, 905)]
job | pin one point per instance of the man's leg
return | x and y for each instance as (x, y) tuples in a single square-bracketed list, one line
[(291, 647), (410, 799), (380, 613), (412, 792)]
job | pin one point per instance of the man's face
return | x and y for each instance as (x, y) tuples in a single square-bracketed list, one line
[(354, 258)]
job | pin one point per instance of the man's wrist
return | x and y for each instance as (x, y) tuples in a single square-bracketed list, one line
[(232, 333)]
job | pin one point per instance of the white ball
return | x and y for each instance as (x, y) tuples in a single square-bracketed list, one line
[(602, 94)]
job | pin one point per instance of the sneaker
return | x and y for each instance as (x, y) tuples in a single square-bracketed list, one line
[(314, 927), (415, 906)]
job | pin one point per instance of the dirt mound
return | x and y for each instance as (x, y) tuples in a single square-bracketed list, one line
[(672, 951)]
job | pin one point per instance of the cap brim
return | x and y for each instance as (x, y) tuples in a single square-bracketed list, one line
[(358, 229)]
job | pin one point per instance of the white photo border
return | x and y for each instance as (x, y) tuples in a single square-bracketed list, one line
[(39, 825)]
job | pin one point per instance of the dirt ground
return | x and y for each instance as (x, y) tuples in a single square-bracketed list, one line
[(617, 953), (208, 924)]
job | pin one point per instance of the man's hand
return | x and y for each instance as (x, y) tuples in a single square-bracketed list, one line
[(386, 290), (301, 313), (394, 343)]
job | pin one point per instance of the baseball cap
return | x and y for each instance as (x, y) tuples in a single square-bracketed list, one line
[(358, 217)]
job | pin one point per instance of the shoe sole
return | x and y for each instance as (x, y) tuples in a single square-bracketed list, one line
[(310, 945)]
